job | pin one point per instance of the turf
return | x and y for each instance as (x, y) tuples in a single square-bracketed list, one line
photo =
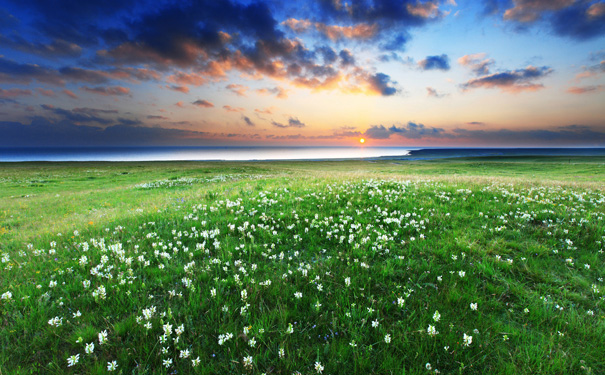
[(474, 266)]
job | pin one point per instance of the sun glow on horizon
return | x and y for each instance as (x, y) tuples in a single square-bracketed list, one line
[(362, 140)]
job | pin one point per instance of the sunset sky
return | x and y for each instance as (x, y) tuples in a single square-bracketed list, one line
[(302, 73)]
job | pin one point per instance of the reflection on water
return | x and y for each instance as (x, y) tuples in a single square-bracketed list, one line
[(198, 153)]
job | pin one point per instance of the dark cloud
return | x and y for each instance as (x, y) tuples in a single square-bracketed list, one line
[(384, 12), (203, 103), (396, 43), (382, 83), (565, 135), (477, 123), (157, 117), (107, 91), (57, 48), (293, 122), (43, 132), (206, 39), (248, 121), (79, 115), (14, 72), (80, 22), (511, 81), (7, 20), (578, 20), (327, 53), (346, 58), (440, 62), (411, 130), (94, 111)]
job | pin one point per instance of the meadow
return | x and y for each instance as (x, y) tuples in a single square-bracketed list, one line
[(464, 266)]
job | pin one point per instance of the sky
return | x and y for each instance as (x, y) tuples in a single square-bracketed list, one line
[(409, 73)]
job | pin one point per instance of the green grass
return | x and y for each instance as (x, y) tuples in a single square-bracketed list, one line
[(138, 250)]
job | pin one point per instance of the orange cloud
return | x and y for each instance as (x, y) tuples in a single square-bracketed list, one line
[(49, 93), (229, 108), (334, 32), (183, 89), (70, 94), (530, 10), (239, 90), (424, 10), (585, 89), (596, 10), (12, 93)]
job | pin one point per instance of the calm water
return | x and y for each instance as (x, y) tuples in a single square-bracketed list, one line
[(274, 153), (197, 153)]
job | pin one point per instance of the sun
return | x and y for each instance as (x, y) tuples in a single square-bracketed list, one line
[(361, 140)]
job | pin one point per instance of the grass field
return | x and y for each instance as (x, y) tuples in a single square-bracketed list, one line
[(462, 266)]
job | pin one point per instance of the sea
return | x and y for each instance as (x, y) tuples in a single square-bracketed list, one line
[(116, 154)]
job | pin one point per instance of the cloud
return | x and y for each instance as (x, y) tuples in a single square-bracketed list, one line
[(477, 63), (278, 91), (440, 62), (47, 93), (10, 94), (93, 110), (15, 72), (592, 70), (346, 58), (564, 135), (80, 115), (107, 91), (57, 48), (411, 130), (70, 94), (585, 89), (239, 90), (532, 10), (266, 111), (334, 32), (183, 78), (229, 108), (156, 117), (183, 89), (42, 132), (381, 83), (248, 121), (511, 81), (578, 20), (431, 92), (293, 122), (202, 103), (180, 104), (578, 135)]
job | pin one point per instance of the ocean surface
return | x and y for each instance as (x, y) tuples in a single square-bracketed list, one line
[(273, 153)]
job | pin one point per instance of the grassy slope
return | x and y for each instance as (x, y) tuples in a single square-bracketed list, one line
[(557, 335)]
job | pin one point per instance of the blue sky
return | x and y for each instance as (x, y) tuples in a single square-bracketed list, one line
[(324, 72)]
